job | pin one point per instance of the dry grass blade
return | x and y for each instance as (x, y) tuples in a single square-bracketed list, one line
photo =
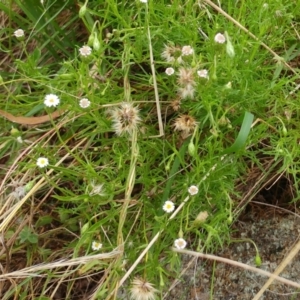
[(280, 268), (238, 264), (32, 271), (35, 188)]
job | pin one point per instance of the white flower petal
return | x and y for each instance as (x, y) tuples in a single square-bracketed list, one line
[(180, 243), (42, 162), (193, 190), (168, 206), (84, 103), (220, 38), (51, 100)]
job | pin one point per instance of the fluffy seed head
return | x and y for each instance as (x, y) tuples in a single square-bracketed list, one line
[(171, 54), (142, 290), (185, 123), (187, 91), (186, 77), (125, 118)]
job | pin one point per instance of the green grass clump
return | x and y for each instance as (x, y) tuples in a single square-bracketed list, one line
[(82, 221)]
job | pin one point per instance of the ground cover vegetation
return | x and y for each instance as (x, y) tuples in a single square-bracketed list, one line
[(132, 129)]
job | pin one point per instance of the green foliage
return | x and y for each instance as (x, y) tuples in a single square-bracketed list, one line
[(101, 179), (26, 235)]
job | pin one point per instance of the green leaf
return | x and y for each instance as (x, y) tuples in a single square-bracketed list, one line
[(26, 235), (243, 134)]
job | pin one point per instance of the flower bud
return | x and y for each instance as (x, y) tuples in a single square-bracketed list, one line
[(29, 186), (91, 40), (229, 46), (82, 10), (284, 131), (96, 43), (191, 148), (257, 260), (14, 132), (229, 49)]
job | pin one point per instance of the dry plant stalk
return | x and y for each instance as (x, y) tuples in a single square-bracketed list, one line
[(32, 271), (238, 264), (280, 268)]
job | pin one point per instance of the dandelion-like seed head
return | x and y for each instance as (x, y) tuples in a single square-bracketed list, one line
[(85, 51), (170, 71), (202, 216), (180, 243), (142, 290), (203, 73), (19, 33), (186, 77), (84, 103), (187, 91), (171, 54), (96, 245), (168, 206), (42, 162), (51, 100), (193, 190), (19, 189), (125, 118), (175, 104), (185, 123), (187, 50), (220, 38)]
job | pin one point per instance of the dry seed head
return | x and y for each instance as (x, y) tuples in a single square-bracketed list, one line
[(172, 54), (142, 290), (125, 118), (175, 104), (186, 77), (202, 216), (185, 123), (187, 91)]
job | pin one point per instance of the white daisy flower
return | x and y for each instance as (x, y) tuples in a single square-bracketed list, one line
[(180, 243), (84, 103), (187, 50), (170, 71), (19, 33), (96, 246), (193, 190), (203, 73), (51, 100), (85, 51), (42, 162), (220, 38), (168, 206)]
